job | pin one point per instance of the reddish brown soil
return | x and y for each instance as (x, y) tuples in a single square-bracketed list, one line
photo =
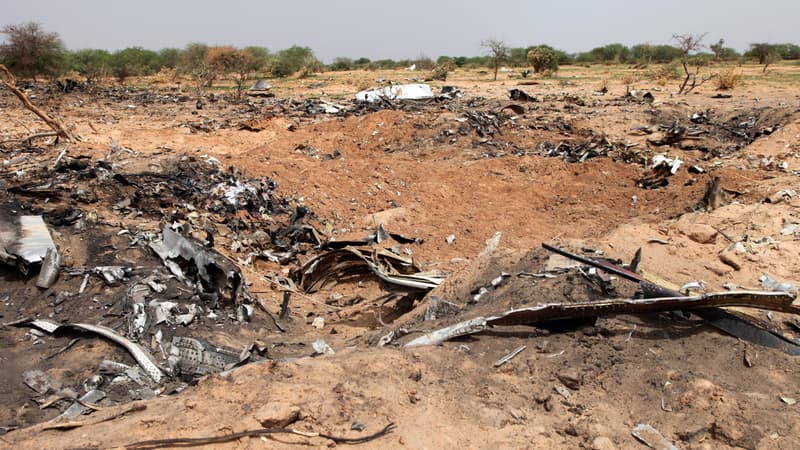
[(400, 168)]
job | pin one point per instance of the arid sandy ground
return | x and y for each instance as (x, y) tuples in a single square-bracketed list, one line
[(424, 170)]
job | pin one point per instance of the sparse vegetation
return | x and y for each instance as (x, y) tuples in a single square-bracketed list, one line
[(29, 51), (628, 79), (543, 59), (291, 60), (664, 74), (728, 78), (240, 63), (439, 73), (134, 61), (498, 53), (766, 53), (722, 53), (689, 45), (90, 63)]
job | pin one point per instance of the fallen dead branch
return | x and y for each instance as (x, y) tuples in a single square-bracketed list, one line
[(191, 442), (27, 140), (54, 123), (102, 416)]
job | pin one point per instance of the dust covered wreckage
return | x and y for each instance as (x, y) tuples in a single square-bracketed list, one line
[(215, 273), (149, 295), (217, 282)]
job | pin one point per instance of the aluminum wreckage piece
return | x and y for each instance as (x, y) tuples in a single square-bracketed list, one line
[(26, 241), (215, 273), (144, 359), (775, 301), (734, 323), (394, 271)]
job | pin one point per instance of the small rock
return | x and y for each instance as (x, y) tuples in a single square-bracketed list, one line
[(277, 414), (731, 258), (571, 430), (701, 233), (718, 269), (570, 378), (735, 433), (603, 443), (318, 322)]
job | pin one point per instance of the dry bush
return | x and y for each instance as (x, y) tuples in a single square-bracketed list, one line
[(664, 74), (166, 75), (728, 79), (628, 79), (439, 73), (306, 72)]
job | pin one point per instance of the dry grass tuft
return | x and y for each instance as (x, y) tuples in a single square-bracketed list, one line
[(728, 79)]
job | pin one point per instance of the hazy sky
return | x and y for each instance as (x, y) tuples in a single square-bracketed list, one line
[(404, 29)]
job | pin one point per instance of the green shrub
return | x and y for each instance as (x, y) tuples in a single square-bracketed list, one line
[(90, 63), (543, 59), (30, 51), (289, 61), (341, 63)]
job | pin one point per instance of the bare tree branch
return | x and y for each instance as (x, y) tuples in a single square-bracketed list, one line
[(689, 44), (54, 123), (498, 51)]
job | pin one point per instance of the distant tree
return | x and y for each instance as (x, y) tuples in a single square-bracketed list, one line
[(362, 62), (134, 61), (385, 64), (460, 61), (193, 62), (543, 59), (789, 51), (611, 54), (766, 53), (423, 62), (169, 57), (91, 63), (294, 58), (447, 62), (29, 51), (229, 60), (193, 59), (497, 51), (642, 54), (665, 54), (689, 45), (562, 57), (262, 56), (518, 57), (341, 63), (717, 49)]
